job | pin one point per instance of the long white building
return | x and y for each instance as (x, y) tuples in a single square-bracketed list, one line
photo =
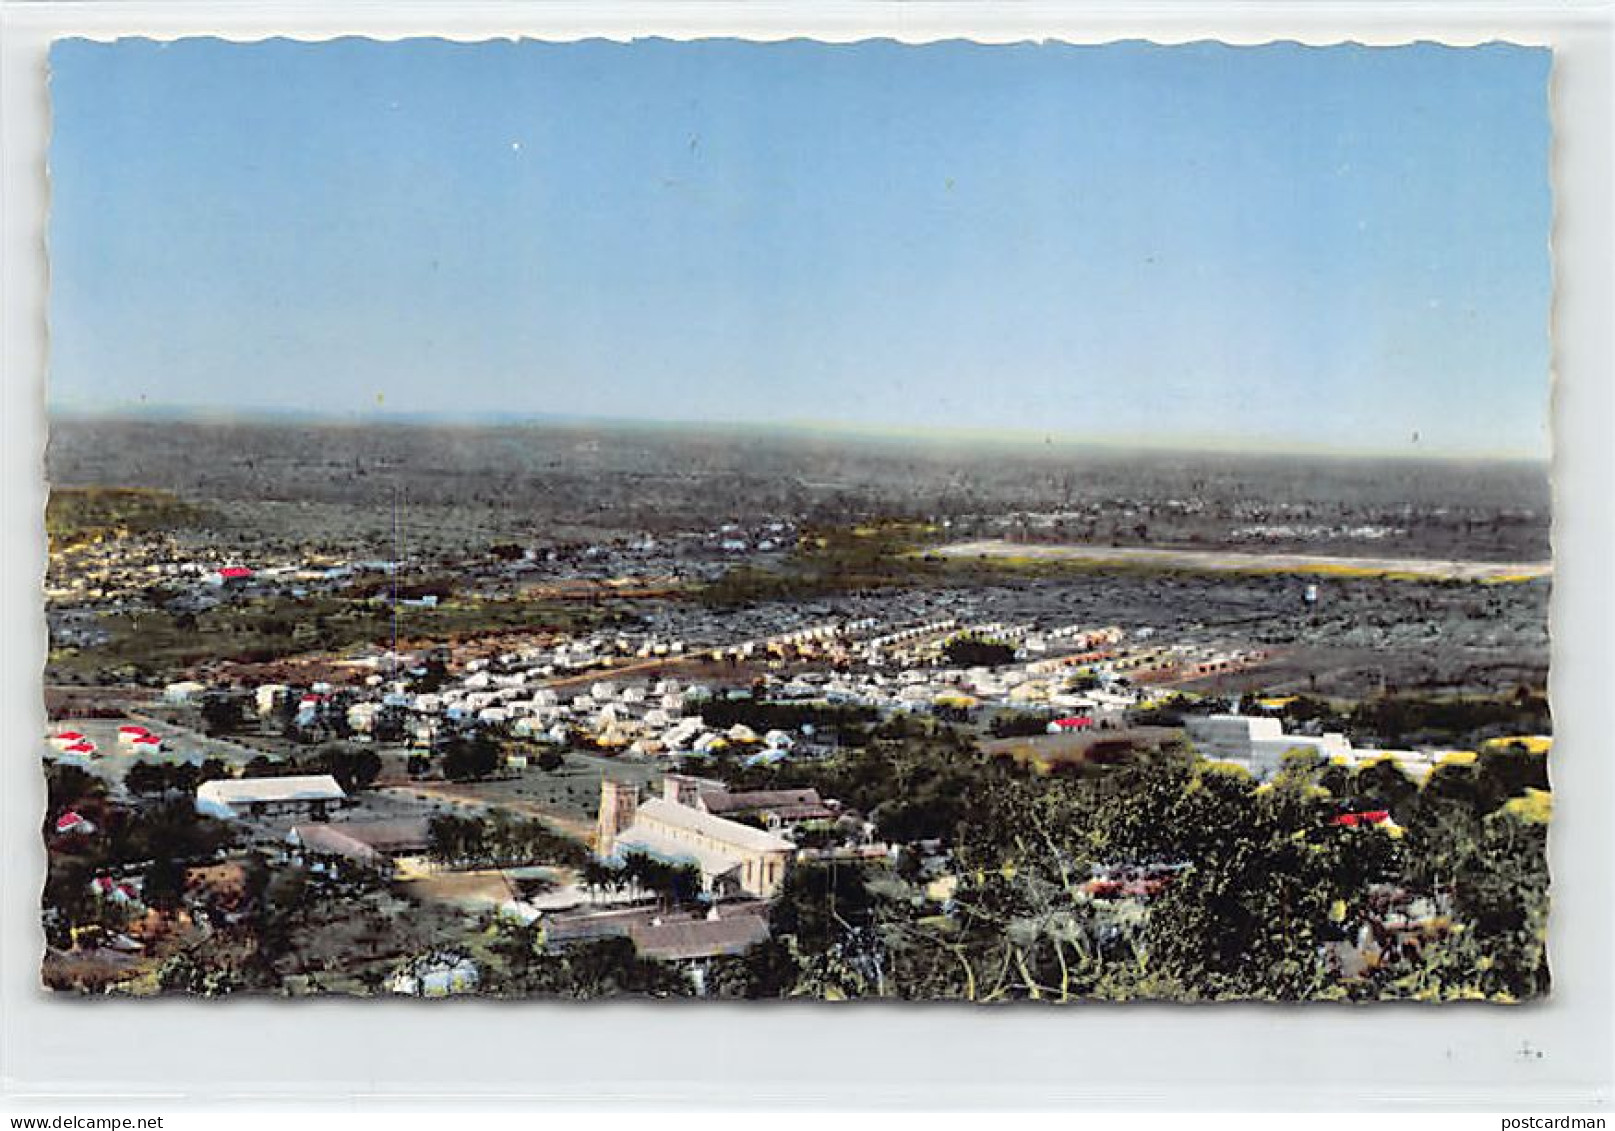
[(1259, 744)]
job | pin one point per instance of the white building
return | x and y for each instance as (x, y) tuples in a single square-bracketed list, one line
[(232, 798), (268, 697), (1258, 743)]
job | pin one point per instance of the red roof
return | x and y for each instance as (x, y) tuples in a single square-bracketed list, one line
[(133, 729), (235, 573), (69, 820), (81, 748), (69, 735), (1367, 817), (147, 740), (1074, 721), (105, 885)]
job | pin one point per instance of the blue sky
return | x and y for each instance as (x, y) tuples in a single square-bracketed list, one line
[(1282, 247)]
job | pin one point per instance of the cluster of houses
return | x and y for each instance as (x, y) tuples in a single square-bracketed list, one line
[(764, 538), (123, 569), (110, 570), (74, 747), (528, 693), (1079, 676)]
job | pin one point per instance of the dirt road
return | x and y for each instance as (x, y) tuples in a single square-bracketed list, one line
[(1417, 569)]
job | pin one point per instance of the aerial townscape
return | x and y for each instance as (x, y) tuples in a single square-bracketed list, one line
[(722, 519), (582, 711)]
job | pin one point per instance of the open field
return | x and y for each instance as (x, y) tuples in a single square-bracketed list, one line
[(565, 799), (1415, 569)]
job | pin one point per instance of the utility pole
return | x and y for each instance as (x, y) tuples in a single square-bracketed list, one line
[(397, 556)]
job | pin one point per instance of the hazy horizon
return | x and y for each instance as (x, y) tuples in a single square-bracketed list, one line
[(1025, 442), (1339, 250)]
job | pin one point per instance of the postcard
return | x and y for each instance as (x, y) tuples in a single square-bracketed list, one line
[(788, 520)]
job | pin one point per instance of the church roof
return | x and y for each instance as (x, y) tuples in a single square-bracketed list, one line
[(741, 837)]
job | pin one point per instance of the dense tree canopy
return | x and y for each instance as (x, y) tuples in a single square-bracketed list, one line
[(1232, 889)]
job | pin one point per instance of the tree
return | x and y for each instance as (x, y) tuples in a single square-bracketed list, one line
[(353, 770), (1019, 724), (767, 970), (213, 769), (171, 829), (1494, 870), (1384, 784), (457, 841), (1248, 916), (180, 974), (145, 777), (471, 757), (673, 883), (434, 675), (67, 786), (263, 766), (971, 650), (389, 724), (608, 967), (221, 712), (824, 916), (599, 876), (163, 885)]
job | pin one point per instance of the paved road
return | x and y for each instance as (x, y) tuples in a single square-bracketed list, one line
[(1240, 562)]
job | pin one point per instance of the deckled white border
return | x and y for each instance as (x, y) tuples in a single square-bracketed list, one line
[(381, 1054)]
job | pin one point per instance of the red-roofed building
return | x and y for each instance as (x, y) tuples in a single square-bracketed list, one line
[(75, 823), (1071, 724), (1367, 817), (228, 575), (116, 891)]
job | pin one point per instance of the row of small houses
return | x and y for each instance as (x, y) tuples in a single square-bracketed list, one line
[(663, 716)]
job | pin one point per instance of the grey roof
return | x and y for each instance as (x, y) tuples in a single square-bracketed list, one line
[(788, 803), (734, 833), (365, 839), (699, 938)]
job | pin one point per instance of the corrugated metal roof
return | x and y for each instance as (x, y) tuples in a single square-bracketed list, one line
[(230, 791), (728, 832)]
